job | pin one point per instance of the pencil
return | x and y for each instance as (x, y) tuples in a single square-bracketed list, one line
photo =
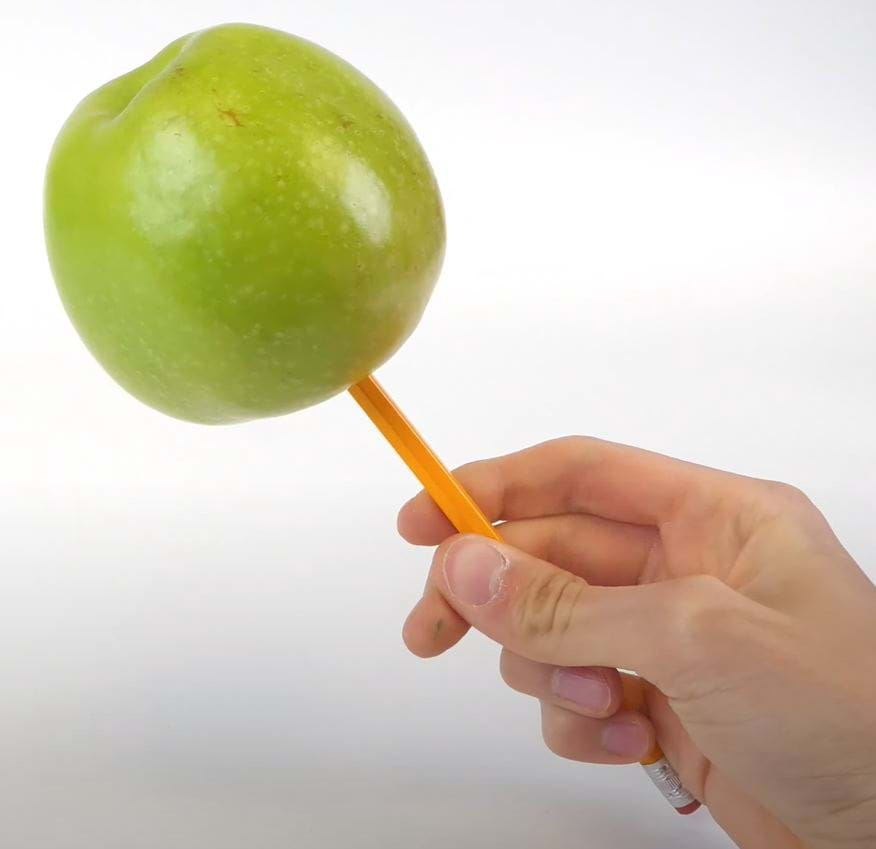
[(465, 515)]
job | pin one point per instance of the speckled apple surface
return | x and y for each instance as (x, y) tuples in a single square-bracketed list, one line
[(241, 227)]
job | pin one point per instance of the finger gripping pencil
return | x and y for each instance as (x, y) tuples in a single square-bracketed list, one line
[(467, 518)]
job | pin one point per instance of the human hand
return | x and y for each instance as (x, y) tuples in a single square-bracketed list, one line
[(753, 630)]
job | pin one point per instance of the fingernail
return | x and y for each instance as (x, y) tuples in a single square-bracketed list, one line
[(586, 688), (624, 737), (473, 569)]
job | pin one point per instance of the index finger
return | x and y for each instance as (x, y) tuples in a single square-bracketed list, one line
[(571, 475)]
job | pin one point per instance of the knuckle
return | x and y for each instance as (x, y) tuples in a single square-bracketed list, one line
[(559, 732), (582, 456), (785, 495), (576, 442), (471, 469), (508, 668), (581, 449), (477, 475), (794, 516), (548, 606), (556, 744)]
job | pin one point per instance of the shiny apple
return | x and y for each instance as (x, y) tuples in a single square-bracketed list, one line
[(241, 227)]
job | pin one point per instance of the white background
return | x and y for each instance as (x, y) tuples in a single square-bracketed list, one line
[(662, 230)]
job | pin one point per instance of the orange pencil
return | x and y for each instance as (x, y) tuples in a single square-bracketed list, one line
[(467, 518)]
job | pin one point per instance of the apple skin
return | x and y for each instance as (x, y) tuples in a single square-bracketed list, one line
[(242, 227)]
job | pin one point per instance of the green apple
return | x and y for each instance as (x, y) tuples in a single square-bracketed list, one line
[(241, 227)]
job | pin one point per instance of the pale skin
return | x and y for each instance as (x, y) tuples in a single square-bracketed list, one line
[(730, 596)]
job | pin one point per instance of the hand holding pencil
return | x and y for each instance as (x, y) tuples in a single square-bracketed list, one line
[(752, 629)]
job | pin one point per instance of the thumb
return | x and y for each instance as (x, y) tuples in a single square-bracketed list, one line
[(662, 631)]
